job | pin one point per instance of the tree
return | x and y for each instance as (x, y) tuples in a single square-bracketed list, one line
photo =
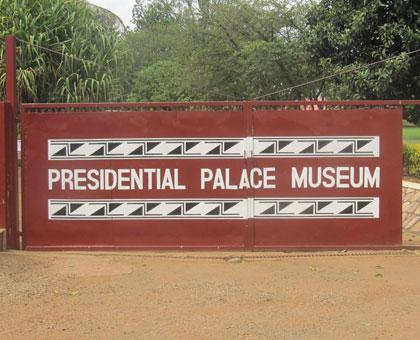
[(143, 48), (227, 49), (161, 81), (247, 49), (156, 12), (345, 34), (81, 65)]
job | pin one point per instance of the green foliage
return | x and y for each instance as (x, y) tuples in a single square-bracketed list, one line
[(411, 159), (345, 34), (268, 66), (227, 49), (247, 48), (69, 27), (141, 49), (156, 12), (215, 50), (160, 81)]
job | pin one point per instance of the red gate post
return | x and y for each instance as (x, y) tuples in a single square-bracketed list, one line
[(2, 165), (10, 125)]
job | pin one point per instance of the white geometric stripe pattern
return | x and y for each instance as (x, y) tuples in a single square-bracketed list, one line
[(147, 148), (316, 208), (176, 148), (129, 209), (316, 147), (258, 208)]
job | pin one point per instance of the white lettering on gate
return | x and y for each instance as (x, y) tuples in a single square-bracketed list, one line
[(53, 177), (256, 178), (158, 179), (93, 180), (206, 176), (110, 179), (338, 177), (79, 179)]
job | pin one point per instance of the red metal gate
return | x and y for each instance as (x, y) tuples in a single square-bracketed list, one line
[(211, 175)]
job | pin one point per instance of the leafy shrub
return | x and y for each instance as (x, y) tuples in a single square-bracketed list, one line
[(411, 159)]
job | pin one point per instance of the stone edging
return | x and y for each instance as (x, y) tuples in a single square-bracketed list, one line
[(411, 185)]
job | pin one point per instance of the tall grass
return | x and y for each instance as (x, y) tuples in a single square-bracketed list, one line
[(85, 69)]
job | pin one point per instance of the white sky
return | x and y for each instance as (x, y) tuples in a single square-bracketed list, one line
[(123, 8)]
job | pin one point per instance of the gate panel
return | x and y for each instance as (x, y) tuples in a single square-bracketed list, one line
[(71, 160), (357, 199), (210, 175)]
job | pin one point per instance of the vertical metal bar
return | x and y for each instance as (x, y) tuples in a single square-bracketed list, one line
[(10, 54), (23, 173), (11, 144)]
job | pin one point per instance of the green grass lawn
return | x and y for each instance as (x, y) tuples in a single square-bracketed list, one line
[(411, 135)]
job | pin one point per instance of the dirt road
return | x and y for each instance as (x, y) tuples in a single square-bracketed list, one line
[(203, 296)]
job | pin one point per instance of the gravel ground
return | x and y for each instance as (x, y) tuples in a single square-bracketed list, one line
[(207, 296)]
